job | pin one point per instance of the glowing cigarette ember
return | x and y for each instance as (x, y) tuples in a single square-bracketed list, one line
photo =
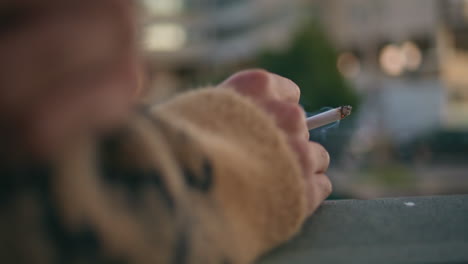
[(328, 117)]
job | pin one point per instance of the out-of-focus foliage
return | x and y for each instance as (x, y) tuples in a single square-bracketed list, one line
[(310, 62)]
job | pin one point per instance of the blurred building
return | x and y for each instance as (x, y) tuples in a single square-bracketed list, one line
[(394, 49), (408, 58), (184, 38), (367, 23), (388, 47), (410, 61), (453, 39)]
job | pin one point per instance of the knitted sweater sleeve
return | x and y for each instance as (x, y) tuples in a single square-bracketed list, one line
[(206, 177)]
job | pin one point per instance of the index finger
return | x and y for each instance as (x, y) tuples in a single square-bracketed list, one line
[(261, 84), (287, 89)]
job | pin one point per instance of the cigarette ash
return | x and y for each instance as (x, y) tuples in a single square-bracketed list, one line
[(320, 134)]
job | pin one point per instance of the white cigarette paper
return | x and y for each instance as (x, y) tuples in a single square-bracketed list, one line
[(328, 117)]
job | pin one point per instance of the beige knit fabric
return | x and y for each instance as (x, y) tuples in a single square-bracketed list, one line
[(204, 178)]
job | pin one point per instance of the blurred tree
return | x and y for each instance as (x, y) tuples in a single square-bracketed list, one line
[(310, 61)]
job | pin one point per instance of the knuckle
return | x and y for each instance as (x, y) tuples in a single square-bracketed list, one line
[(256, 73), (327, 186), (257, 77), (322, 153), (295, 89), (298, 90), (255, 81), (295, 112), (319, 148), (287, 89), (293, 118)]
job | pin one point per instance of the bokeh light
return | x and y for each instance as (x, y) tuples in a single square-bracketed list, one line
[(163, 7), (348, 65), (392, 60), (412, 55), (165, 37)]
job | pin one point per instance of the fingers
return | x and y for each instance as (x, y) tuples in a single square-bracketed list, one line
[(318, 188), (313, 157), (262, 84), (290, 117), (318, 185), (279, 97), (314, 161), (319, 158), (287, 89)]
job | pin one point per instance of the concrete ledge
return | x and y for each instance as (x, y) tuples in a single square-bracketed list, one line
[(395, 230)]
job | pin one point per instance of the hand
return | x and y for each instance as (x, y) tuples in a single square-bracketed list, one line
[(279, 97), (68, 68)]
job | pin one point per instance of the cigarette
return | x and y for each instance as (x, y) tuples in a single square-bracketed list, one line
[(328, 117)]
